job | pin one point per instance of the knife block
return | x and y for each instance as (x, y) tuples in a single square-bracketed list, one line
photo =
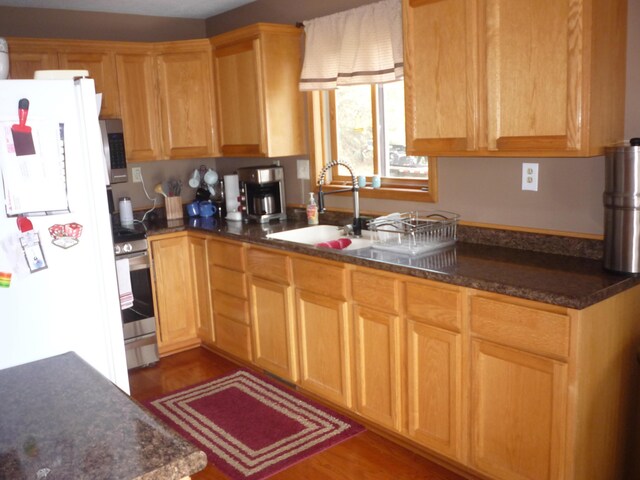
[(173, 207)]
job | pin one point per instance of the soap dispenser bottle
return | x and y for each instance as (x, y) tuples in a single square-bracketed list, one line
[(312, 210)]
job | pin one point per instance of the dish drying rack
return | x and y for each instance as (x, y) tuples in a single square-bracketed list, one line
[(414, 232)]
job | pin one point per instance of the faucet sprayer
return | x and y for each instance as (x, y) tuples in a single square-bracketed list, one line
[(357, 223)]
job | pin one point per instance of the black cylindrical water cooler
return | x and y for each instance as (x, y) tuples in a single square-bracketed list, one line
[(622, 208)]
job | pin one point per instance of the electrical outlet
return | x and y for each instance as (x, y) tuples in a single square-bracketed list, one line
[(303, 169), (530, 176), (136, 174)]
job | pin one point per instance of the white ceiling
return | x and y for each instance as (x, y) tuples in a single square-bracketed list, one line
[(162, 8)]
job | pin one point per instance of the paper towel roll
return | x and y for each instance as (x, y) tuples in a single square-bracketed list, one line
[(231, 193)]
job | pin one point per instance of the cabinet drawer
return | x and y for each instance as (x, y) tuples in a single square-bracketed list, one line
[(321, 278), (228, 281), (268, 265), (378, 291), (233, 338), (440, 307), (524, 327), (232, 307), (229, 255)]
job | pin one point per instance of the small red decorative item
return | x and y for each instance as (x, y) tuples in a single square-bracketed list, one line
[(73, 230)]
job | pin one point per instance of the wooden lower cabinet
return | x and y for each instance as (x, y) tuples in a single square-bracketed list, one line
[(229, 298), (508, 389), (324, 345), (378, 346), (434, 320), (434, 388), (519, 388), (173, 287), (199, 272), (518, 413), (272, 327), (271, 298), (323, 324), (378, 364)]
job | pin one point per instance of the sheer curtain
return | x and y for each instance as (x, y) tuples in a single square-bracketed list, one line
[(361, 45)]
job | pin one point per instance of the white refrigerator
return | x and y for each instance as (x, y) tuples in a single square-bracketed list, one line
[(58, 287)]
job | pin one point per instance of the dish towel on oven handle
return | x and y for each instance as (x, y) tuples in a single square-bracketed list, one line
[(124, 283)]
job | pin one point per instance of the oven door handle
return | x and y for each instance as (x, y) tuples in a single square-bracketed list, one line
[(139, 262)]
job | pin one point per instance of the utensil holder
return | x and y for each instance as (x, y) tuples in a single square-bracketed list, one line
[(173, 207)]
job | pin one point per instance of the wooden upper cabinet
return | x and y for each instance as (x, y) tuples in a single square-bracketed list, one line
[(441, 84), (26, 55), (185, 93), (30, 54), (259, 106), (138, 102), (101, 65), (514, 77)]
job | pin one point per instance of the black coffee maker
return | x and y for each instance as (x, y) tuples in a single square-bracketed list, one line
[(263, 189)]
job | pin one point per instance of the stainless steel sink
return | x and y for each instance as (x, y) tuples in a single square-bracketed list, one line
[(317, 234)]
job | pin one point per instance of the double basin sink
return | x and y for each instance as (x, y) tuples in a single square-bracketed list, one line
[(324, 236)]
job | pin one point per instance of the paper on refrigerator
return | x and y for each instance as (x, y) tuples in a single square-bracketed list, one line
[(34, 184)]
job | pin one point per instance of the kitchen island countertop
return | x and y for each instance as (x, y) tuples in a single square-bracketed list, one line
[(60, 419), (575, 280)]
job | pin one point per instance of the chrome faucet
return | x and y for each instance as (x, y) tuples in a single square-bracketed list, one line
[(356, 226)]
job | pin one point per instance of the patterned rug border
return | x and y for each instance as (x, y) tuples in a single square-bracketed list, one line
[(322, 430)]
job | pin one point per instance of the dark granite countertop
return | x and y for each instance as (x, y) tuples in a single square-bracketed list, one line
[(556, 270), (61, 419)]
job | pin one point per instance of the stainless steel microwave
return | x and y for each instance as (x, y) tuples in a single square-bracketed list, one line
[(114, 153)]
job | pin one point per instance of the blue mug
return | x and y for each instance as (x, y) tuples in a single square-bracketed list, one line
[(207, 209), (193, 209)]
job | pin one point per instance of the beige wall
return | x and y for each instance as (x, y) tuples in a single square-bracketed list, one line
[(49, 23), (485, 190), (278, 11)]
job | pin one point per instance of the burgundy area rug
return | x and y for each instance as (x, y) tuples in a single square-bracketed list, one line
[(250, 427)]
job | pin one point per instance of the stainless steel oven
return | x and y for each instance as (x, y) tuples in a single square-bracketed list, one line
[(138, 321)]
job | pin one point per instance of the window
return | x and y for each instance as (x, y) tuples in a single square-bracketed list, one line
[(366, 129)]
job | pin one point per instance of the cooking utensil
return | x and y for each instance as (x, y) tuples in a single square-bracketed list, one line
[(194, 179), (166, 187), (211, 177), (160, 189), (21, 132), (177, 187)]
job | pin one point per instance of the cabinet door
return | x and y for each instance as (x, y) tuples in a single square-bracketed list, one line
[(174, 293), (201, 292), (239, 98), (534, 64), (377, 367), (28, 55), (434, 386), (441, 82), (102, 68), (185, 84), (323, 332), (518, 413), (272, 322), (138, 104)]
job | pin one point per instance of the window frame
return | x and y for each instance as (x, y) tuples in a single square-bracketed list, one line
[(323, 148)]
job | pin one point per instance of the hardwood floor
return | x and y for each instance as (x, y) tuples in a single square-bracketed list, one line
[(366, 456)]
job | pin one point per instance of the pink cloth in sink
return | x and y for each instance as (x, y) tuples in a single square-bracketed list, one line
[(335, 244)]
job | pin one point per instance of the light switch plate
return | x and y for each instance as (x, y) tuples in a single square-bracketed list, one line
[(303, 169)]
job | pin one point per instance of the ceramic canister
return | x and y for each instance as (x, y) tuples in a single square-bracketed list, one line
[(126, 211)]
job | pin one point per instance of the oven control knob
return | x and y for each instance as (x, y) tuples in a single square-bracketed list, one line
[(127, 247), (117, 249)]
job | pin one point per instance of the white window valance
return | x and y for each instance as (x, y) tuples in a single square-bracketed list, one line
[(358, 46)]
